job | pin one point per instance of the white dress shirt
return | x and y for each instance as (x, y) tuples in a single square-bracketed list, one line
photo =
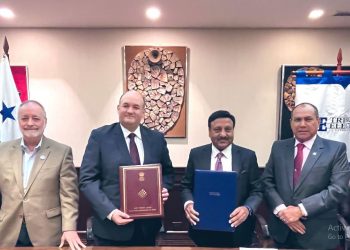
[(138, 141), (226, 159), (306, 150), (28, 162)]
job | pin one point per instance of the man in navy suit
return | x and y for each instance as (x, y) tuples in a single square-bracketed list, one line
[(233, 158), (304, 199), (107, 149)]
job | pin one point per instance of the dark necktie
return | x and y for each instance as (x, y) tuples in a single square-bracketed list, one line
[(298, 162), (218, 164), (134, 153)]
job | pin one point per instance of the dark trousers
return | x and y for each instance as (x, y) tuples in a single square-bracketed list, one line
[(23, 238), (290, 243), (138, 238)]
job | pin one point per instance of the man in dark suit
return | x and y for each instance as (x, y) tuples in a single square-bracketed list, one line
[(233, 158), (305, 179), (107, 149)]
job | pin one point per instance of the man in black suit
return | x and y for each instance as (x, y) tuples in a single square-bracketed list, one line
[(233, 158), (107, 149), (305, 179)]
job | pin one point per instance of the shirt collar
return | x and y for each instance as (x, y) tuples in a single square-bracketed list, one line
[(25, 148), (308, 143), (226, 152), (126, 132)]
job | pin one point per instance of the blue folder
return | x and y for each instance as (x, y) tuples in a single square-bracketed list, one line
[(215, 197)]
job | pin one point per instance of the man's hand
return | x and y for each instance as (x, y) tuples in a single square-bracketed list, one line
[(73, 240), (191, 214), (165, 194), (290, 214), (297, 227), (238, 216), (121, 218)]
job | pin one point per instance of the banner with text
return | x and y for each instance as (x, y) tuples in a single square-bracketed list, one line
[(331, 95)]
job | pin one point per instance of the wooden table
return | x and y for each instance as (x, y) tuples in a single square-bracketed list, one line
[(120, 248), (129, 248)]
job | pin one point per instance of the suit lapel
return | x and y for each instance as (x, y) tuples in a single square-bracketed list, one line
[(17, 158), (40, 159), (146, 142), (206, 158), (289, 159), (121, 147), (314, 154), (236, 158)]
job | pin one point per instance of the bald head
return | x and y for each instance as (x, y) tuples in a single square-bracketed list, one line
[(133, 94)]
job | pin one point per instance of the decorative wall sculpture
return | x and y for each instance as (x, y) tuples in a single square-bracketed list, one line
[(159, 73)]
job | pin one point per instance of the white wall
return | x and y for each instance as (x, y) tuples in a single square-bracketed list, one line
[(77, 75)]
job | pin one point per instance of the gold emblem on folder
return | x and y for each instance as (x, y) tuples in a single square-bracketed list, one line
[(142, 193), (141, 176)]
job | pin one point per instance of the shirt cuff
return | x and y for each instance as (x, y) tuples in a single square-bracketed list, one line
[(303, 210), (188, 202), (279, 208), (111, 214), (249, 209)]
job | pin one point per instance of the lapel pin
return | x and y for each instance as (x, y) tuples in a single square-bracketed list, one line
[(314, 153), (42, 157)]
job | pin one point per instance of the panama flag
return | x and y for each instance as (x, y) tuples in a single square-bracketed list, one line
[(9, 103)]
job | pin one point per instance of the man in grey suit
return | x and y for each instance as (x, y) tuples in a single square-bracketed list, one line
[(108, 149), (305, 179), (233, 158), (38, 185)]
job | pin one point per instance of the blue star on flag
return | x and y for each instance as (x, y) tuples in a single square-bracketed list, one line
[(6, 112)]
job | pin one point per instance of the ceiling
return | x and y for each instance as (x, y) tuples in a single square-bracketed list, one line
[(175, 13)]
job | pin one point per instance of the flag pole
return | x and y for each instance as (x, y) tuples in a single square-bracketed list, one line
[(9, 100), (6, 48), (338, 71), (320, 72), (339, 59)]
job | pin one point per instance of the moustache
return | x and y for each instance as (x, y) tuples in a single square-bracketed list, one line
[(223, 138)]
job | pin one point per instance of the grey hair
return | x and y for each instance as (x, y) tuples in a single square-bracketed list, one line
[(35, 102)]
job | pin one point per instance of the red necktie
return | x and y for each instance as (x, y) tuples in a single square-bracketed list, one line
[(218, 164), (298, 162), (134, 153)]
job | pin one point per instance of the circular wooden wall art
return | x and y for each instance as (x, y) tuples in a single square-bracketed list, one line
[(159, 75)]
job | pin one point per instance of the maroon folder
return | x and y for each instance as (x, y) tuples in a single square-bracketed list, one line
[(141, 190)]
